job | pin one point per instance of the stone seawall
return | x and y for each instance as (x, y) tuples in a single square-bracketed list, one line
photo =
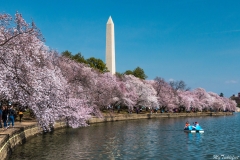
[(22, 131), (122, 117)]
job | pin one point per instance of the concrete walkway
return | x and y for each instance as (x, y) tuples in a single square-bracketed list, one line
[(7, 133), (17, 125)]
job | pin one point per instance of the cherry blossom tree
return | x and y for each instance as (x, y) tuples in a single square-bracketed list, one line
[(167, 97), (99, 89), (197, 99), (31, 77), (204, 99), (15, 36), (200, 99), (144, 93), (126, 96)]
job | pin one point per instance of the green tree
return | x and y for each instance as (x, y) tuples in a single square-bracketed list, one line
[(128, 72), (97, 64), (91, 62), (67, 54), (139, 72), (79, 58), (221, 95)]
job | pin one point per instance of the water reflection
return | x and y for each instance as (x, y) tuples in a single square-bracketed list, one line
[(137, 139), (193, 141)]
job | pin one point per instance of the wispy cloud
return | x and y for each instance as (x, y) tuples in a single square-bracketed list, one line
[(231, 82), (171, 79)]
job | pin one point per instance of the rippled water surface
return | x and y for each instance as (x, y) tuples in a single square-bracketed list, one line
[(161, 138)]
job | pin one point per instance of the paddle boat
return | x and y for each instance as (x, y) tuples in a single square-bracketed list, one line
[(189, 129), (196, 128)]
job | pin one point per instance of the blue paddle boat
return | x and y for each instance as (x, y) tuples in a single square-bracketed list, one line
[(189, 129), (196, 128)]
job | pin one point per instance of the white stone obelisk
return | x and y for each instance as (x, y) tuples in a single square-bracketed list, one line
[(110, 47)]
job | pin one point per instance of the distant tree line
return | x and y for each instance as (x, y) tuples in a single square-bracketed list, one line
[(99, 65), (137, 72), (92, 62)]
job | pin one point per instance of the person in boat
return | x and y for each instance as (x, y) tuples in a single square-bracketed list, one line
[(186, 125), (197, 126)]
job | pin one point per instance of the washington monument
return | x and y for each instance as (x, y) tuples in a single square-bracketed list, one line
[(110, 47)]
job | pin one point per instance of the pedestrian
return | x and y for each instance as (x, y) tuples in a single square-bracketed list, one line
[(4, 117), (20, 115), (11, 113), (118, 108), (137, 110)]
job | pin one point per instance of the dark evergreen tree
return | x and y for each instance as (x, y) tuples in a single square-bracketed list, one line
[(97, 64)]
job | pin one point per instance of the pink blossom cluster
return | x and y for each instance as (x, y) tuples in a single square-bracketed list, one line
[(57, 88), (196, 100)]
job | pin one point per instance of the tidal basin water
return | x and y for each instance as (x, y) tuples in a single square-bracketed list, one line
[(161, 138)]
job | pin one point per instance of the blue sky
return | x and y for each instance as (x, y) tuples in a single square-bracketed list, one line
[(197, 41)]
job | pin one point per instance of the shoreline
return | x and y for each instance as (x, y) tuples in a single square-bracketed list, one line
[(12, 137), (122, 117)]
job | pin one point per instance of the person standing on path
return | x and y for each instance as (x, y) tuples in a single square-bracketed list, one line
[(4, 116), (11, 116), (118, 108), (20, 115)]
